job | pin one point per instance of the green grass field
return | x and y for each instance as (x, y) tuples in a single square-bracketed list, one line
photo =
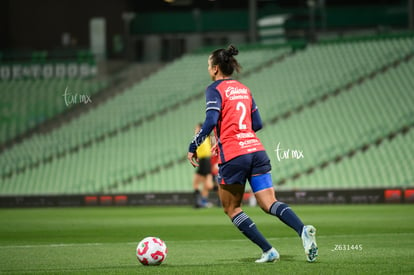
[(103, 240)]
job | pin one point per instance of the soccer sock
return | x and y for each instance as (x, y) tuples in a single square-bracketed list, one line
[(197, 198), (249, 229), (286, 215)]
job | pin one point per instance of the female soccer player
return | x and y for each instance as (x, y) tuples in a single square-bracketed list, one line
[(232, 113)]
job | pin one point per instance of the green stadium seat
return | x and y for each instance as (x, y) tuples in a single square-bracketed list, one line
[(323, 131)]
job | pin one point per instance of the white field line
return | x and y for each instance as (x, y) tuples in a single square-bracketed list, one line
[(57, 245)]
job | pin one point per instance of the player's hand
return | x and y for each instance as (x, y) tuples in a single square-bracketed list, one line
[(214, 150), (192, 157)]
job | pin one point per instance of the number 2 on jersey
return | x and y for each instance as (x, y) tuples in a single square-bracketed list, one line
[(241, 106)]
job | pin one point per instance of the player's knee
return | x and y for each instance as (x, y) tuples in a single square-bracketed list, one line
[(265, 201), (231, 211), (228, 210), (265, 207)]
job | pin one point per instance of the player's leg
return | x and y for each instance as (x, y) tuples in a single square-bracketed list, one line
[(196, 187), (196, 181), (262, 186), (204, 171), (207, 185), (232, 178), (231, 196), (266, 198)]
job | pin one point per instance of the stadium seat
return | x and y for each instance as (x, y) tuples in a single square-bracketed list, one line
[(104, 150)]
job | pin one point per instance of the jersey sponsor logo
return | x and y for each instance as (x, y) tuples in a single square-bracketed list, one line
[(236, 93), (248, 143), (244, 135)]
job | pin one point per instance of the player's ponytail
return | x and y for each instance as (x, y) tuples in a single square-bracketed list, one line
[(231, 51), (224, 58)]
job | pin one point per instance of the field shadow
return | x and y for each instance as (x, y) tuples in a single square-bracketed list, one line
[(288, 258), (284, 257)]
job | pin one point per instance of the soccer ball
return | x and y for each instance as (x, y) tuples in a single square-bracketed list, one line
[(151, 251)]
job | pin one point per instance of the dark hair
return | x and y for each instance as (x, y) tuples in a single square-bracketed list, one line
[(225, 60)]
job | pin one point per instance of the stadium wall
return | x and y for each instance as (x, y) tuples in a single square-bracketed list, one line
[(355, 196)]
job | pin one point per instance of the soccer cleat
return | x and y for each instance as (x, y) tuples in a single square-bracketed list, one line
[(309, 243), (269, 256)]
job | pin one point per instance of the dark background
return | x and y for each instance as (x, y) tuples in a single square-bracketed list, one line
[(39, 24)]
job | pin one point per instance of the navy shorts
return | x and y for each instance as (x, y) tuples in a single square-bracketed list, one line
[(243, 167)]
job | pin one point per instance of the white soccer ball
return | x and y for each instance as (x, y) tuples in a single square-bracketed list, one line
[(151, 251)]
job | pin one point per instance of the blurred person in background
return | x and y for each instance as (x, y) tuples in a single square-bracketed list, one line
[(215, 167), (203, 175)]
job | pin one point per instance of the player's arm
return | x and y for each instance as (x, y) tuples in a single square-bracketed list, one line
[(213, 108), (257, 123), (212, 117)]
